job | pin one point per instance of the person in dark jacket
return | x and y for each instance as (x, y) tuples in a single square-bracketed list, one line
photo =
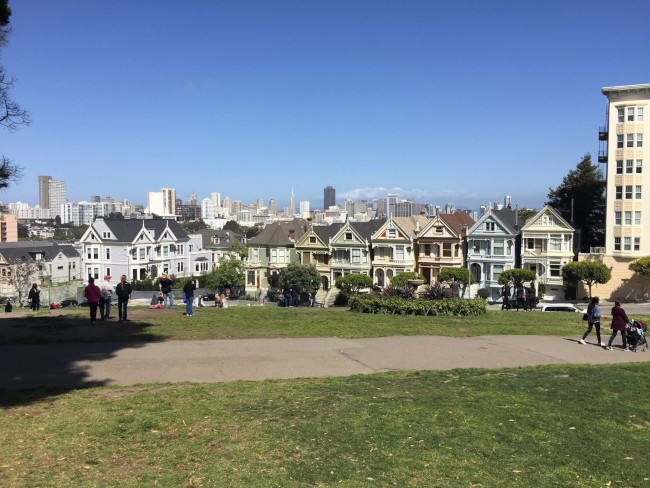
[(288, 297), (34, 297), (532, 299), (188, 289), (295, 295), (593, 317), (505, 295), (123, 292), (166, 288), (619, 323)]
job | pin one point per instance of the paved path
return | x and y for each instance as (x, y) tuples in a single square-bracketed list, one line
[(79, 365)]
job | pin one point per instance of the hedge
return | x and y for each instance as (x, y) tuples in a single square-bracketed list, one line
[(399, 306)]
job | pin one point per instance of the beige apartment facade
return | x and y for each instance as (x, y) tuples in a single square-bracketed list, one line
[(624, 142)]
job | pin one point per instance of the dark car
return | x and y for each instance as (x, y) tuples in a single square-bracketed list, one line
[(68, 303)]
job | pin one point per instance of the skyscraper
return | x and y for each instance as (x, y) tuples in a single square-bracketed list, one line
[(56, 196), (329, 197), (169, 200), (44, 191), (292, 205)]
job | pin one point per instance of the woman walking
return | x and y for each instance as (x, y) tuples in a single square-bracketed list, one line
[(123, 292), (619, 322), (34, 297), (593, 317)]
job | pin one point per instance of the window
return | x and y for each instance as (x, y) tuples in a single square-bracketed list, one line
[(180, 267), (627, 243), (348, 236), (555, 268), (108, 271), (619, 192), (556, 242), (392, 232), (530, 244), (446, 249), (637, 217), (439, 230), (637, 192), (89, 252), (617, 243), (190, 247), (489, 226), (108, 254), (382, 253), (637, 243), (630, 140), (621, 115), (619, 141), (497, 248), (639, 140), (629, 165), (141, 253), (356, 255), (630, 114), (628, 192), (96, 273), (165, 250), (340, 255), (639, 165), (134, 254), (399, 253), (256, 255), (619, 167), (312, 240), (628, 218), (274, 255), (281, 254), (477, 247), (250, 278), (639, 114), (617, 217), (497, 269)]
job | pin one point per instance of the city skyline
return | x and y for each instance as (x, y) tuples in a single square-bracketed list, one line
[(435, 102)]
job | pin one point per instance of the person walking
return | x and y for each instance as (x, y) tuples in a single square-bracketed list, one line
[(619, 323), (106, 298), (520, 294), (188, 289), (34, 297), (166, 289), (505, 295), (92, 294), (123, 292), (593, 317)]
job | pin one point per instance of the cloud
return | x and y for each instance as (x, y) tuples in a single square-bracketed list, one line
[(422, 196)]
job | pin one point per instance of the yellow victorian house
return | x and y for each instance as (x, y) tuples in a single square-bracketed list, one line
[(313, 248)]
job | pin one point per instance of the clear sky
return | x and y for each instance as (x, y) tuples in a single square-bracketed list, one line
[(462, 101)]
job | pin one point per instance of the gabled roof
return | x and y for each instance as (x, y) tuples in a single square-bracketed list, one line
[(126, 230), (367, 229), (506, 217), (24, 250), (410, 224), (226, 238), (531, 221), (460, 222), (277, 233), (326, 232)]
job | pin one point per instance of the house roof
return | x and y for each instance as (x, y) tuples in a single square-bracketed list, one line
[(461, 222), (126, 230), (510, 219), (277, 233), (226, 238), (367, 229), (326, 232), (23, 250), (410, 224)]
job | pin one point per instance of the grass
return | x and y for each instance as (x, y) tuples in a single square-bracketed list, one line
[(567, 426), (254, 322)]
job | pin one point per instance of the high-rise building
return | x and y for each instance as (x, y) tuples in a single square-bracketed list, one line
[(237, 206), (273, 207), (391, 201), (329, 197), (216, 199), (57, 196), (169, 201), (44, 191), (292, 205), (8, 228), (304, 209), (95, 198), (507, 201)]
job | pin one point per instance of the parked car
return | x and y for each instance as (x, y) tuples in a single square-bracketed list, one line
[(68, 303), (562, 307)]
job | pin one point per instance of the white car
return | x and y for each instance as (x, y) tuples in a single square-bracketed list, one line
[(562, 307)]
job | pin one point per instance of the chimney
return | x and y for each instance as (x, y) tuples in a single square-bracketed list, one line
[(292, 235)]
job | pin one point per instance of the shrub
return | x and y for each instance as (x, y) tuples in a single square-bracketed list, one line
[(541, 290), (400, 306), (483, 293), (402, 279), (405, 291), (435, 292), (341, 299), (353, 283)]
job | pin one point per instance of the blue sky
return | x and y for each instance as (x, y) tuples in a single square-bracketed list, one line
[(460, 102)]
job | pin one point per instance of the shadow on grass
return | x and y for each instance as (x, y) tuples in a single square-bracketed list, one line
[(54, 353)]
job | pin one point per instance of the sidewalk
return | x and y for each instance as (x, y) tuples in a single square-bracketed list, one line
[(96, 364)]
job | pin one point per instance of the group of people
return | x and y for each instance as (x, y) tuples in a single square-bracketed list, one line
[(620, 323), (102, 296), (291, 295), (525, 298)]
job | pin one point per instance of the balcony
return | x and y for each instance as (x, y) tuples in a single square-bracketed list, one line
[(603, 133), (602, 152)]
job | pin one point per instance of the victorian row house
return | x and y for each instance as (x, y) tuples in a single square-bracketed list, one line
[(142, 249)]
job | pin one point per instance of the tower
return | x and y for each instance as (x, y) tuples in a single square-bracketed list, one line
[(329, 197), (44, 191)]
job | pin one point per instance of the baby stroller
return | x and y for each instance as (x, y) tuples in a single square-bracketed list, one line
[(636, 335)]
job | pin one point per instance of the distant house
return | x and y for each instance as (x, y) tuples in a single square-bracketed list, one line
[(313, 248), (142, 249), (547, 245), (351, 250), (493, 247), (218, 242), (48, 261)]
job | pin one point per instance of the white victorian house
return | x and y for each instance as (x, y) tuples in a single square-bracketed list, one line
[(546, 246), (493, 247), (142, 249)]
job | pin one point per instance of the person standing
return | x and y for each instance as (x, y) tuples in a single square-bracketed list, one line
[(188, 289), (520, 294), (106, 298), (288, 301), (505, 295), (593, 317), (92, 294), (166, 289), (532, 301), (455, 288), (34, 297), (619, 322), (295, 295), (123, 292)]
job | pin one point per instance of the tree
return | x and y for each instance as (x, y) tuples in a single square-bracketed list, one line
[(589, 272), (191, 226), (353, 283), (582, 193), (230, 272), (233, 226), (238, 248), (11, 115), (23, 231), (402, 279), (306, 276), (23, 274), (641, 266), (252, 231), (525, 213), (115, 216), (461, 274), (517, 276)]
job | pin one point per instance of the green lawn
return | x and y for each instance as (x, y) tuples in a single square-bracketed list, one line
[(565, 426), (251, 322)]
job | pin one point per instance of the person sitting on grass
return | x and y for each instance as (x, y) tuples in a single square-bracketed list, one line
[(157, 300)]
